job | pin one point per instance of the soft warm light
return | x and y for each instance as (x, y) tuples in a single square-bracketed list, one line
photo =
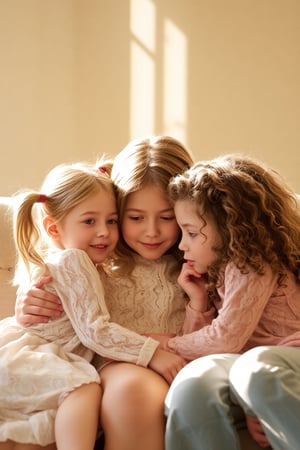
[(175, 81), (142, 23), (142, 92), (158, 78), (142, 79)]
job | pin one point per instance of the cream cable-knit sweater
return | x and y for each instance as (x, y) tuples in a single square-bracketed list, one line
[(147, 301)]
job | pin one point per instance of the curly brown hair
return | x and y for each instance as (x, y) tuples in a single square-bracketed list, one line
[(256, 213)]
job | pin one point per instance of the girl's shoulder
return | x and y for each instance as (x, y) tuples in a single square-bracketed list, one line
[(70, 257), (59, 254), (248, 280)]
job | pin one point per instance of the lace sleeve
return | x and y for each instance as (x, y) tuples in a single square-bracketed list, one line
[(77, 283)]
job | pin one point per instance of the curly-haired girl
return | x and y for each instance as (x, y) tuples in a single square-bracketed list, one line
[(241, 234)]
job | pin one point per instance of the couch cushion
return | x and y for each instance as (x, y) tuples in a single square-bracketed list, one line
[(7, 259)]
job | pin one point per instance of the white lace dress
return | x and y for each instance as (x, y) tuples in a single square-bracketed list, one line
[(40, 364)]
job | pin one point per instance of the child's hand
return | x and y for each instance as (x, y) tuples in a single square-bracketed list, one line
[(167, 364), (193, 283), (37, 305), (256, 431), (162, 338)]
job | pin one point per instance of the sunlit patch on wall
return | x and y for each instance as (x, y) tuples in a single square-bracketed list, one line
[(158, 78)]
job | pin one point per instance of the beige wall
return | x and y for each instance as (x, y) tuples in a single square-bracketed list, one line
[(82, 77)]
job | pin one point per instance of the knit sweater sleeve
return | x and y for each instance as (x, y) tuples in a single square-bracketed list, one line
[(194, 320), (77, 283), (243, 299), (292, 340)]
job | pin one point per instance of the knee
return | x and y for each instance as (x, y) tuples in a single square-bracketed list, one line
[(135, 398), (184, 397), (193, 394), (142, 387), (251, 376)]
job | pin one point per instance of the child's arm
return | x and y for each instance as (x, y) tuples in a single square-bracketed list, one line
[(199, 313), (243, 299), (78, 285), (193, 284), (167, 364), (293, 340)]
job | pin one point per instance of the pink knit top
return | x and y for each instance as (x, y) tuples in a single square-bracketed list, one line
[(252, 311)]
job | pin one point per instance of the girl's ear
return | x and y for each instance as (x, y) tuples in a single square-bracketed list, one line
[(51, 227)]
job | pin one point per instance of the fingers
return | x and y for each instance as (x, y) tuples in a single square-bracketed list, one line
[(173, 374), (37, 305), (257, 432), (174, 371), (29, 319), (190, 270), (41, 283), (44, 299)]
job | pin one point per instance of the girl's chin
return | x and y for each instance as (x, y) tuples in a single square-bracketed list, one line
[(193, 265)]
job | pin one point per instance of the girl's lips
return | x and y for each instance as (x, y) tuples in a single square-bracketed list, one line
[(150, 245), (99, 246), (190, 262)]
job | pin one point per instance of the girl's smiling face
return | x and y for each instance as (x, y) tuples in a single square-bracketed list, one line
[(91, 226), (199, 238), (149, 226)]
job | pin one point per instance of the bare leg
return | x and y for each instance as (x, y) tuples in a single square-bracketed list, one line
[(132, 410), (77, 418)]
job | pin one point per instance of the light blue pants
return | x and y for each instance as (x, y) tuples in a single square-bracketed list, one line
[(201, 414), (266, 381)]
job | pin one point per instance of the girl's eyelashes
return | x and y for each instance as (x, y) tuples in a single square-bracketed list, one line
[(136, 218), (191, 234), (112, 221), (168, 217), (89, 221)]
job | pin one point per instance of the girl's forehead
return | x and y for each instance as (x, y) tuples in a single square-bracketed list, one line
[(148, 196), (150, 190), (190, 208)]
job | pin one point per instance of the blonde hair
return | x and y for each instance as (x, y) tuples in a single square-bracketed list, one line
[(148, 160), (65, 187), (256, 214)]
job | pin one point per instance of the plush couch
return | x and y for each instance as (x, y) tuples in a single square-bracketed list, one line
[(7, 260), (8, 291)]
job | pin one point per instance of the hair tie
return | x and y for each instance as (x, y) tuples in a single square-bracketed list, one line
[(42, 198)]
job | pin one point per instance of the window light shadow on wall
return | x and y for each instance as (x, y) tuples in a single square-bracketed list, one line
[(158, 79)]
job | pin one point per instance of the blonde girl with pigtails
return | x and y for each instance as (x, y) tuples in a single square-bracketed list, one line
[(48, 383)]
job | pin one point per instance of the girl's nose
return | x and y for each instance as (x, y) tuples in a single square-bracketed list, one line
[(102, 231), (152, 228), (182, 245)]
